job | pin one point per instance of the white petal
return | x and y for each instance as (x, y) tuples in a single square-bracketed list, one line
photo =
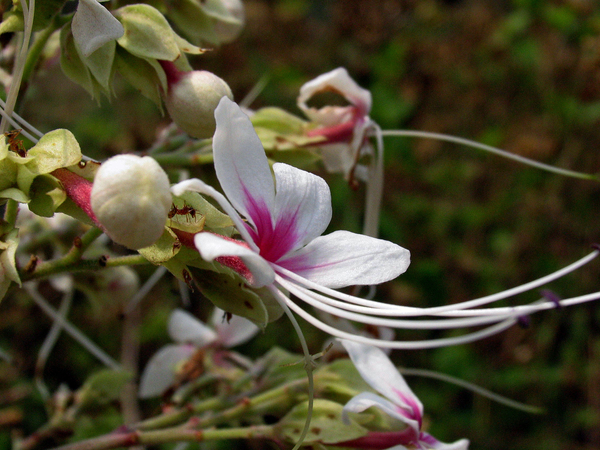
[(338, 158), (379, 372), (343, 259), (241, 164), (93, 26), (302, 199), (212, 246), (185, 328), (159, 373), (234, 332), (462, 444), (365, 400), (339, 81)]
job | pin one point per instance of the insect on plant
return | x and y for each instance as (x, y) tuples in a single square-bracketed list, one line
[(14, 144)]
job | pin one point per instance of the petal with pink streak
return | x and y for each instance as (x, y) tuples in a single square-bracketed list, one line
[(379, 372), (302, 211), (337, 80), (342, 259), (366, 400), (241, 165), (211, 246)]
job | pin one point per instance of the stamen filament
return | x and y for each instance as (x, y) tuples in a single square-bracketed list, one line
[(490, 149)]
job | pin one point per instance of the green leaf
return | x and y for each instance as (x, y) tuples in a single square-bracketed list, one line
[(326, 424), (102, 387), (147, 33), (230, 292), (193, 21), (162, 250)]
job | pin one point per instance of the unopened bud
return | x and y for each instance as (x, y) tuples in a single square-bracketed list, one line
[(192, 100), (131, 199)]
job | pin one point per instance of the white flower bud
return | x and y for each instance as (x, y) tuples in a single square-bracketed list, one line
[(192, 100), (131, 199)]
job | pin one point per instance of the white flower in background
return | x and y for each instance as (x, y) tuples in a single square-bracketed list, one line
[(344, 127), (131, 200), (346, 130), (400, 403), (93, 26), (228, 30), (190, 335)]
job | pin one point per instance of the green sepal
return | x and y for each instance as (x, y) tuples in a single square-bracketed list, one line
[(140, 74), (73, 66), (279, 130), (46, 195), (281, 366), (102, 388), (8, 173), (193, 21), (55, 149), (147, 33), (15, 194), (326, 425), (215, 220), (101, 65), (163, 249)]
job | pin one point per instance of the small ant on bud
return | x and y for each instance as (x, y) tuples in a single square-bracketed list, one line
[(14, 144), (183, 211)]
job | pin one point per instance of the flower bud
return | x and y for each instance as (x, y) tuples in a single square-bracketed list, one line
[(131, 199), (192, 100)]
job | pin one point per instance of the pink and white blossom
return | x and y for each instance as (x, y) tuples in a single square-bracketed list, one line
[(190, 334), (398, 401), (283, 249)]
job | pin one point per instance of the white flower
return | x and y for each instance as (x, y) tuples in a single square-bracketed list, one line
[(191, 334), (93, 26), (131, 199), (400, 402), (284, 251)]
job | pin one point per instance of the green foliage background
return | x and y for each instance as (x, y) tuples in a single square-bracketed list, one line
[(523, 75)]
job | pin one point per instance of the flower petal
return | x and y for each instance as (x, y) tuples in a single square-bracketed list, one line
[(185, 328), (159, 373), (302, 211), (212, 246), (365, 400), (93, 26), (234, 331), (343, 259), (462, 444), (339, 81), (241, 165), (379, 372)]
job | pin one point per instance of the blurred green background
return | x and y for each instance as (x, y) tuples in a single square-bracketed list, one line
[(523, 75)]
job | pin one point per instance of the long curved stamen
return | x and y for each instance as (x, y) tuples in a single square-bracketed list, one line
[(367, 318), (407, 311), (490, 149), (402, 345)]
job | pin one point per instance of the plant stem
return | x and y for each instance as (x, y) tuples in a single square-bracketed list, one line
[(67, 264), (175, 434)]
